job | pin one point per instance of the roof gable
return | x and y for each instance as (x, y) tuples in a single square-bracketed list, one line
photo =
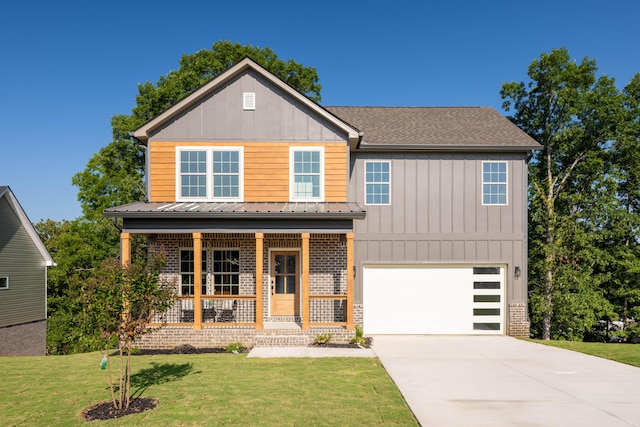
[(244, 67), (5, 192)]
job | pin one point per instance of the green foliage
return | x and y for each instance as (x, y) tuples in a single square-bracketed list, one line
[(579, 221), (234, 347), (359, 339), (114, 175), (120, 301), (78, 247), (322, 339)]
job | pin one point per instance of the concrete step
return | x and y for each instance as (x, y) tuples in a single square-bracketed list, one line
[(281, 341)]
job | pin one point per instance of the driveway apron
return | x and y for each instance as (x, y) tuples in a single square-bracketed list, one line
[(502, 381)]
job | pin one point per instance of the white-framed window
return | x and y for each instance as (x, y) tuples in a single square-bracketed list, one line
[(4, 282), (377, 182), (187, 272), (226, 272), (494, 183), (210, 174), (306, 166)]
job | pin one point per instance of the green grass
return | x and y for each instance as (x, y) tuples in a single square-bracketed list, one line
[(624, 353), (205, 389)]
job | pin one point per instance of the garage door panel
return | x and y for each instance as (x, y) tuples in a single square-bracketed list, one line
[(432, 300)]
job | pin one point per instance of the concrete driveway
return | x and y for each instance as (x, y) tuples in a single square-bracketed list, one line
[(502, 381)]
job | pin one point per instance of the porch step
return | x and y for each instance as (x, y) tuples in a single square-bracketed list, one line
[(281, 341)]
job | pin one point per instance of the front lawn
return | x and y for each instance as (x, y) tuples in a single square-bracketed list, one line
[(624, 353), (205, 389)]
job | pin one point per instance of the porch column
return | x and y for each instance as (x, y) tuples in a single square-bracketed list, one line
[(125, 249), (197, 281), (259, 268), (305, 281), (350, 272)]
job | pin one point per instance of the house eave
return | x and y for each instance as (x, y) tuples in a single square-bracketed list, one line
[(363, 146)]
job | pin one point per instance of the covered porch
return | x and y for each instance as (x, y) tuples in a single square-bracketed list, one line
[(288, 269)]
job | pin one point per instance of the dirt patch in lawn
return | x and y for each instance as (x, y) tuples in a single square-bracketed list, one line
[(106, 411)]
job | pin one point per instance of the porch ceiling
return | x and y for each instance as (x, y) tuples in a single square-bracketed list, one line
[(210, 210)]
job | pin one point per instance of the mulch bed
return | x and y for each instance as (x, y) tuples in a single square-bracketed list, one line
[(106, 411)]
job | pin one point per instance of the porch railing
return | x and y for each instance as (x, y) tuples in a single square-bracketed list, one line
[(240, 310), (223, 310), (328, 310)]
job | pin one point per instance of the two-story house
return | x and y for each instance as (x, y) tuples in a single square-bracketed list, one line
[(283, 219), (23, 282)]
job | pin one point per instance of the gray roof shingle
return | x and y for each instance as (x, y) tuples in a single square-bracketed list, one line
[(435, 127)]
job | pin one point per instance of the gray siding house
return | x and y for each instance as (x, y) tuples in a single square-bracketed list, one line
[(283, 219), (23, 282)]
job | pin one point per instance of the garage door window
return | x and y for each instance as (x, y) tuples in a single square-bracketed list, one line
[(487, 298)]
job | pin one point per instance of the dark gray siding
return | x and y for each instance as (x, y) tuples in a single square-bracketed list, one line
[(20, 260), (436, 215), (221, 117)]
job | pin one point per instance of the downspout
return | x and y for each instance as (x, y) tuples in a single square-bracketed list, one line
[(360, 136)]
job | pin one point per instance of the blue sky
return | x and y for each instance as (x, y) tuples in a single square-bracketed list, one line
[(68, 66)]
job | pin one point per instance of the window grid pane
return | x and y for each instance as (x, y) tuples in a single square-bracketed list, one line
[(226, 272), (306, 180), (187, 276), (193, 173), (377, 183), (494, 183), (226, 174)]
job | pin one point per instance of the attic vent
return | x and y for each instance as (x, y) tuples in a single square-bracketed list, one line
[(249, 100)]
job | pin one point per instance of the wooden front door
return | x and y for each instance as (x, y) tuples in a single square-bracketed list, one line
[(285, 294)]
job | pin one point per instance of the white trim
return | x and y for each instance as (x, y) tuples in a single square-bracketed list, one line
[(292, 151), (506, 183), (365, 182), (143, 132), (2, 288), (209, 150), (28, 226), (248, 101)]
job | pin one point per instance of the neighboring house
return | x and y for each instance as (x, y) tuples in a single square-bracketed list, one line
[(23, 282), (283, 219)]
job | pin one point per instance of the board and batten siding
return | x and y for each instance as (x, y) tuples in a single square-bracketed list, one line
[(266, 169), (221, 117), (20, 260), (436, 216)]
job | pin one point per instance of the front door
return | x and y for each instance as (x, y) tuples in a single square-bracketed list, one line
[(285, 296)]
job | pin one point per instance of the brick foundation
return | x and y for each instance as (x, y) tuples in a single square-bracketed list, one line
[(215, 337), (518, 323)]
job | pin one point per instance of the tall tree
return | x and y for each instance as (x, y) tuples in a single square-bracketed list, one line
[(573, 115), (114, 175)]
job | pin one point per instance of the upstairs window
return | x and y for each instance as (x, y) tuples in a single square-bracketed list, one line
[(4, 282), (494, 183), (377, 183), (211, 174), (226, 174), (193, 174), (226, 272), (307, 174)]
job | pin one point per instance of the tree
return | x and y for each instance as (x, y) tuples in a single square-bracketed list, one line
[(121, 301), (574, 115), (114, 176), (79, 247)]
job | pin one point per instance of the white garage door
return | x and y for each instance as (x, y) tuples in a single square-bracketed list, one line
[(433, 300)]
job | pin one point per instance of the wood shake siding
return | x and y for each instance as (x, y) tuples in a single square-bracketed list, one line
[(266, 169)]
